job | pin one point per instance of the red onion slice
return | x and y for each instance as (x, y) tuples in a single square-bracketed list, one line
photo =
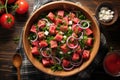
[(67, 42), (80, 37), (80, 24), (44, 19), (35, 38), (78, 63), (58, 61), (47, 22), (45, 55), (68, 68)]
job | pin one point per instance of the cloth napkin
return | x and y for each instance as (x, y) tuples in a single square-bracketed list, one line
[(29, 72)]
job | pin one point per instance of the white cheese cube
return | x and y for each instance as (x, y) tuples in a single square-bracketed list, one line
[(62, 41), (100, 18), (70, 27), (69, 52), (103, 11), (111, 16), (64, 37), (107, 12), (46, 33), (48, 24), (112, 12), (61, 32), (61, 52), (70, 22), (101, 15)]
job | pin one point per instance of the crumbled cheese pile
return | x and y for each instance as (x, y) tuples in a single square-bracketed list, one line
[(106, 14)]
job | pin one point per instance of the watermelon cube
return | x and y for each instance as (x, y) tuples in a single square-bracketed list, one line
[(51, 16), (88, 31), (60, 13), (35, 51), (58, 37), (43, 44), (53, 44)]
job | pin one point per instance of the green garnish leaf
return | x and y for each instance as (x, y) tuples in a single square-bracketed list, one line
[(82, 17), (39, 58), (84, 24), (56, 67), (32, 36), (49, 38), (16, 39)]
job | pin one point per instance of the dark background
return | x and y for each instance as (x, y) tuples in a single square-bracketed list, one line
[(8, 45)]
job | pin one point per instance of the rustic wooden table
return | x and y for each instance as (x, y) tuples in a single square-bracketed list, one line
[(8, 45)]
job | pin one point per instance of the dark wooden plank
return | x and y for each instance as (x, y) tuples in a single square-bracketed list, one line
[(8, 46)]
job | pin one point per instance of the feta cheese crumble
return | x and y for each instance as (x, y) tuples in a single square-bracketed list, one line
[(70, 27), (105, 14), (70, 22), (64, 37), (61, 52), (46, 33)]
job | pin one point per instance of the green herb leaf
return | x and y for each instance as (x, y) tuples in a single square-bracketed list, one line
[(16, 39), (56, 67), (82, 17), (32, 36), (49, 38)]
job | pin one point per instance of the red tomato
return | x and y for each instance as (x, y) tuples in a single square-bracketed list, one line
[(7, 20), (2, 5), (11, 1), (22, 6)]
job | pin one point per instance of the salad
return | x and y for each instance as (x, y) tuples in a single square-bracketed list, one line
[(61, 40)]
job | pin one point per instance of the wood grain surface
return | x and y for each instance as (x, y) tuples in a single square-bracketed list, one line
[(8, 45)]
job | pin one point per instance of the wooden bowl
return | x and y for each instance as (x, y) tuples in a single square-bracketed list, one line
[(66, 6), (111, 7)]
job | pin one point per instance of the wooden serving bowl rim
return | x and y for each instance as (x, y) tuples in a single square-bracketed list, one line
[(60, 4)]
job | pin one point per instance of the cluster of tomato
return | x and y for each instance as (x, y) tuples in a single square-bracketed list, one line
[(7, 20)]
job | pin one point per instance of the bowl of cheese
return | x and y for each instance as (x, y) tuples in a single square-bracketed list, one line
[(106, 13)]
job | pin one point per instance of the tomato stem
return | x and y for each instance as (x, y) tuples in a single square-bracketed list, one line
[(6, 6)]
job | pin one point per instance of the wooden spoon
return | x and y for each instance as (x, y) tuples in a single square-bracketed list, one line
[(17, 61)]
